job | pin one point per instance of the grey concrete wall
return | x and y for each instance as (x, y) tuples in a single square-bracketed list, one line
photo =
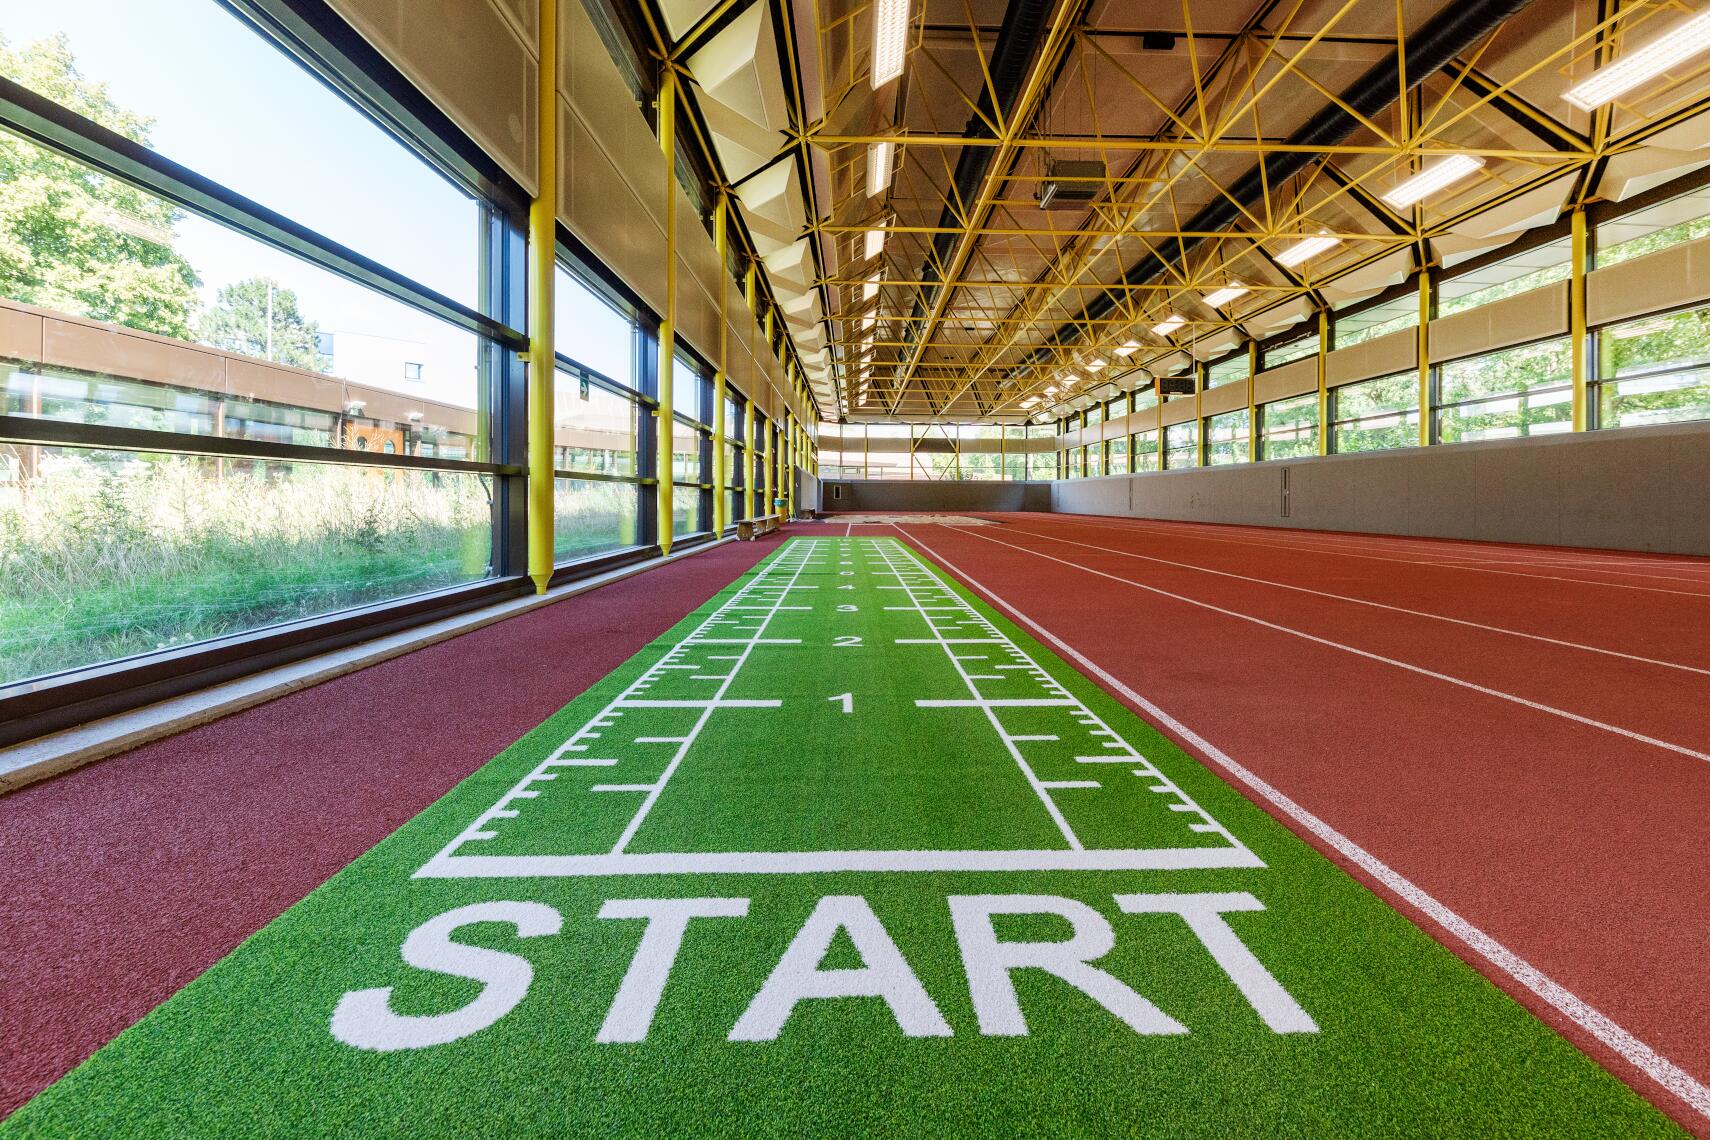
[(888, 495), (1629, 489)]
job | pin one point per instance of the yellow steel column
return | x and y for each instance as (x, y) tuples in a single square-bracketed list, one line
[(542, 258), (748, 454), (1424, 357), (1579, 344), (771, 433), (1323, 390), (1252, 408), (666, 412), (720, 477)]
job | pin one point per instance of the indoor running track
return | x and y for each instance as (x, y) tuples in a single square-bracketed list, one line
[(1522, 733)]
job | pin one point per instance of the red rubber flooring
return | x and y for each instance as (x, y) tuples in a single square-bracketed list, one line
[(124, 880), (1524, 733)]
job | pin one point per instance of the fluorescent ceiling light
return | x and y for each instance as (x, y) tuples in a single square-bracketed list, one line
[(1030, 401), (879, 156), (875, 243), (1094, 364), (1225, 295), (871, 288), (890, 40), (1433, 178), (1306, 250), (1169, 325), (1677, 45), (1128, 349), (1069, 379)]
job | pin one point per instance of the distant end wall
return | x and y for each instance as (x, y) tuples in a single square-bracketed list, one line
[(904, 495), (1628, 489)]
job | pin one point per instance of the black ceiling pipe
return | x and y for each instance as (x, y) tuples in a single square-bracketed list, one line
[(1018, 38), (1428, 51)]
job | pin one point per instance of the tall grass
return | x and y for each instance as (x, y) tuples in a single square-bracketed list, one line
[(106, 554)]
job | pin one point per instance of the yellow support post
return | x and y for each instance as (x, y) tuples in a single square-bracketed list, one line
[(1424, 357), (1323, 389), (542, 259), (666, 412), (1252, 408), (748, 454), (771, 434), (1580, 346), (720, 477)]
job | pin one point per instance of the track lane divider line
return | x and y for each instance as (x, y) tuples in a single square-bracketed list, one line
[(1366, 602), (1343, 553), (1666, 1073), (1419, 669)]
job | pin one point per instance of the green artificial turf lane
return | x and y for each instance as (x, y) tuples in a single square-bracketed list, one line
[(1348, 1019)]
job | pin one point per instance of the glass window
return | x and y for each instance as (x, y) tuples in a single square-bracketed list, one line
[(1294, 350), (110, 554), (1515, 392), (595, 429), (1181, 445), (1288, 429), (592, 330), (1226, 437), (271, 131), (1518, 274), (686, 515), (1228, 371), (1042, 465), (593, 516), (1655, 370), (1077, 455), (1117, 462), (1094, 415), (1095, 459), (1144, 452), (1654, 228), (686, 465), (1378, 320), (1376, 414), (1146, 398)]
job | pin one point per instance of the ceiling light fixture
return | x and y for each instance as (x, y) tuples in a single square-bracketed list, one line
[(1306, 250), (890, 40), (879, 156), (871, 288), (1677, 45), (1094, 364), (1225, 295), (1169, 325), (1129, 348), (1433, 178), (875, 243)]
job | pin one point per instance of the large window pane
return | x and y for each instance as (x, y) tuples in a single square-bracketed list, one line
[(1376, 414), (591, 330), (686, 511), (594, 430), (188, 79), (1226, 437), (1518, 274), (1517, 392), (1655, 370), (107, 554), (593, 516), (1181, 445), (1144, 454), (1376, 321), (1654, 228), (686, 465), (1294, 350), (1289, 428)]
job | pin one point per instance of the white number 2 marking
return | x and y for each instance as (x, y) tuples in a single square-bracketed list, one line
[(847, 641), (848, 700)]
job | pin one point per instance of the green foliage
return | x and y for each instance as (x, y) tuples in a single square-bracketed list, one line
[(73, 239), (105, 555), (245, 314)]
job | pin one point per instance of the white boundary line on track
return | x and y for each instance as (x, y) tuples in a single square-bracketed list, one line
[(1186, 530), (1325, 641), (1013, 529), (1640, 1055)]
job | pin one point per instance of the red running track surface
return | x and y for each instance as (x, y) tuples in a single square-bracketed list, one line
[(124, 880), (1557, 796)]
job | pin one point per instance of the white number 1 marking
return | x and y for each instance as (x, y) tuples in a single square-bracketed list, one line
[(848, 700)]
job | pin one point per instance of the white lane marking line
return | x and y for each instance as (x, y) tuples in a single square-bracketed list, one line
[(1141, 525), (1366, 602), (724, 703), (1090, 784), (817, 862), (998, 703), (621, 788), (1641, 1056), (1419, 669)]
